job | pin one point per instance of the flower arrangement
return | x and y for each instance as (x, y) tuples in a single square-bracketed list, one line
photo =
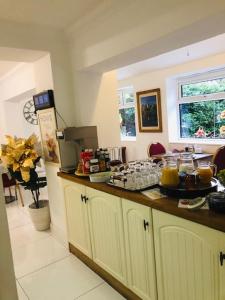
[(20, 157)]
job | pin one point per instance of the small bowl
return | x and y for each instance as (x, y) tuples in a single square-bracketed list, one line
[(100, 177)]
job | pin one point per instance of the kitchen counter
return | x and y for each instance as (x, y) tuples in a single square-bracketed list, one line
[(168, 205)]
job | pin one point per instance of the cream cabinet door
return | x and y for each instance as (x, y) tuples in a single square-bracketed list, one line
[(222, 264), (139, 249), (106, 227), (187, 259), (77, 219)]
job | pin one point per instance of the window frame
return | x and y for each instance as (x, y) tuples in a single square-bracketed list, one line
[(195, 78), (125, 106)]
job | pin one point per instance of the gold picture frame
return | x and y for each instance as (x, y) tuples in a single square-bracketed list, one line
[(149, 111)]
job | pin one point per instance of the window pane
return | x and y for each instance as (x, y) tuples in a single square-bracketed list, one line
[(202, 119), (128, 97), (127, 122), (203, 88)]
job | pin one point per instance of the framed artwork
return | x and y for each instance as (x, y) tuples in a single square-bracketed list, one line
[(149, 111), (47, 125)]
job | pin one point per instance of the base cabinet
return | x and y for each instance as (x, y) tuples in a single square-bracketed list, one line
[(139, 249), (222, 265), (106, 228), (136, 244), (187, 259), (77, 218)]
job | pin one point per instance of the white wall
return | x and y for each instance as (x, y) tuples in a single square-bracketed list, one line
[(96, 104), (16, 88), (117, 35), (44, 80), (158, 79)]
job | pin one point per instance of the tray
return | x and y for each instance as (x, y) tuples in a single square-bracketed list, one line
[(132, 189), (182, 191)]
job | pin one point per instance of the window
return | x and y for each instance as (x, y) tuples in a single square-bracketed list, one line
[(201, 106), (127, 113)]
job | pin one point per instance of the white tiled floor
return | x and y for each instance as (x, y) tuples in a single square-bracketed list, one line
[(45, 270)]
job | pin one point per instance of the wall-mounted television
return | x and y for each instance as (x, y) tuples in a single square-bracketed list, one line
[(44, 100)]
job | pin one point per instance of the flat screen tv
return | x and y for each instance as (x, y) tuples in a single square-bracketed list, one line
[(44, 100)]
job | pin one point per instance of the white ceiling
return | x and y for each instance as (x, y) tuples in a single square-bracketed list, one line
[(192, 52), (54, 13)]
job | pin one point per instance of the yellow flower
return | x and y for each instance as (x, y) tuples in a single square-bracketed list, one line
[(25, 173), (28, 163), (19, 155)]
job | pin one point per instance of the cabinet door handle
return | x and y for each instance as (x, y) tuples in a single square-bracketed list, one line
[(222, 257), (146, 224), (82, 197), (85, 199)]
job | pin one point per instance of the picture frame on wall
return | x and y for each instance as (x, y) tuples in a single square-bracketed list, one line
[(149, 111), (48, 126)]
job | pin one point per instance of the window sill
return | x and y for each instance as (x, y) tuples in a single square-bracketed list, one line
[(128, 138), (198, 141)]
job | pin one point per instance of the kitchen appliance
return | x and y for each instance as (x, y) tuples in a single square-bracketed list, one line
[(71, 141)]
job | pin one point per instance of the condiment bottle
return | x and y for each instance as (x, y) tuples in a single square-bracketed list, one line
[(86, 161), (102, 164), (107, 161), (94, 165)]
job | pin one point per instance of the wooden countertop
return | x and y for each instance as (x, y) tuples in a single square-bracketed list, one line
[(168, 205)]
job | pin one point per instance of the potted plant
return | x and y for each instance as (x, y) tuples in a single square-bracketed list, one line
[(20, 157)]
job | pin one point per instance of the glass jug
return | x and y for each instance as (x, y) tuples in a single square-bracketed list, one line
[(206, 170), (186, 163), (169, 172)]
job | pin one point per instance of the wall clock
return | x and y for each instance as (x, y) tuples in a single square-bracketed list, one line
[(29, 112)]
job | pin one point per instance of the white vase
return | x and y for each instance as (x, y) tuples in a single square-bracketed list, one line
[(40, 216)]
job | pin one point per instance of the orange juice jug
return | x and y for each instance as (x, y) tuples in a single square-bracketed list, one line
[(205, 171), (169, 175)]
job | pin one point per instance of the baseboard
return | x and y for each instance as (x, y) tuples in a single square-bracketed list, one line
[(117, 285)]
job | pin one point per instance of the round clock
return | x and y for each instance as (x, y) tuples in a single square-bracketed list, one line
[(29, 112)]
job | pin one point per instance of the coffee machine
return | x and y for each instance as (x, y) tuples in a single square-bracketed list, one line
[(71, 142)]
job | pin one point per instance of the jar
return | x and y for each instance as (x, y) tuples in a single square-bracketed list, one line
[(169, 175), (186, 165), (94, 166)]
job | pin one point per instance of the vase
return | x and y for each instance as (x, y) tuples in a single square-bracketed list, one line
[(40, 216)]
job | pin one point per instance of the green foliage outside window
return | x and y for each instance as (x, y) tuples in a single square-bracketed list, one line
[(127, 124), (203, 87), (207, 115)]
